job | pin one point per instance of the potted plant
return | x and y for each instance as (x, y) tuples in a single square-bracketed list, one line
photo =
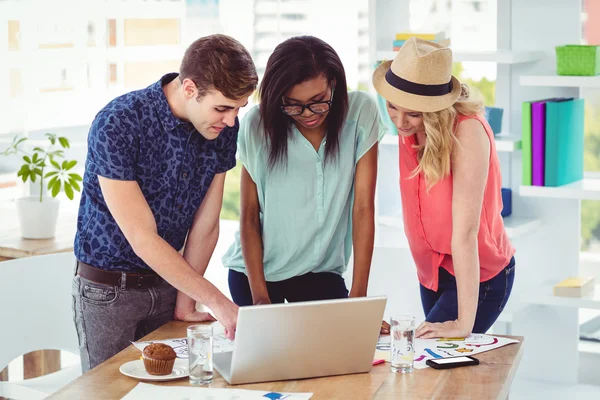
[(38, 214)]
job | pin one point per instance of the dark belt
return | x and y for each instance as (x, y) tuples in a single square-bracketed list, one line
[(133, 280)]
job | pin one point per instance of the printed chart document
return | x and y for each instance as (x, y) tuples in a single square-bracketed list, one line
[(146, 391), (425, 349)]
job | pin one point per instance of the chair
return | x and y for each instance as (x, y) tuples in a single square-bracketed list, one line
[(36, 303)]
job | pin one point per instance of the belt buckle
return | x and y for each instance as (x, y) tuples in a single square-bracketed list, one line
[(145, 278)]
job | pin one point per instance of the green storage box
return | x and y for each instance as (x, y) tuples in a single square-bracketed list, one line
[(578, 60)]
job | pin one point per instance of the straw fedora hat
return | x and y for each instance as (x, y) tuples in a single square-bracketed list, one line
[(419, 78)]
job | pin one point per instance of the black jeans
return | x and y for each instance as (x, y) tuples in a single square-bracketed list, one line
[(307, 287), (442, 306)]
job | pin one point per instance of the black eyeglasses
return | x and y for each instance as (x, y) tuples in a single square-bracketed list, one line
[(318, 107)]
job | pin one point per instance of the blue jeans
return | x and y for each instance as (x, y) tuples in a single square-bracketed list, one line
[(307, 287), (442, 306)]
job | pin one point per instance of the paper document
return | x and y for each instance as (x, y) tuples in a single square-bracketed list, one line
[(220, 345), (426, 349), (146, 391)]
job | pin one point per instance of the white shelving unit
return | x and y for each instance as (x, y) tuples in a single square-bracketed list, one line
[(543, 296), (585, 189), (515, 226), (499, 57), (519, 226), (504, 142), (560, 81), (508, 143), (545, 225)]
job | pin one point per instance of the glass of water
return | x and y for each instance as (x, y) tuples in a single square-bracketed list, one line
[(402, 343), (200, 352)]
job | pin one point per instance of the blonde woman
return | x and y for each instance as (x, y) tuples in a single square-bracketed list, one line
[(450, 182)]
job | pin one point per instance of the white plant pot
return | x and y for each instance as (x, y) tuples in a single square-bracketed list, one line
[(38, 219)]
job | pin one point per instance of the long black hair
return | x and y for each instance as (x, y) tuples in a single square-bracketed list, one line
[(294, 61)]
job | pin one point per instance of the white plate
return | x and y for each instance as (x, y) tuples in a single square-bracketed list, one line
[(135, 369)]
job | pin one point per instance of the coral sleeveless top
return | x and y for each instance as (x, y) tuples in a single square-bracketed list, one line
[(428, 216)]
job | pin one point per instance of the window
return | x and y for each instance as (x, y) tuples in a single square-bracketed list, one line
[(590, 210), (96, 76), (16, 83), (293, 17), (112, 74), (231, 194), (151, 31), (464, 33), (58, 33), (55, 78), (111, 28), (91, 31), (14, 36)]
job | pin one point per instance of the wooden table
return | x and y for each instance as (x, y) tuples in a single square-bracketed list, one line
[(12, 246), (490, 380)]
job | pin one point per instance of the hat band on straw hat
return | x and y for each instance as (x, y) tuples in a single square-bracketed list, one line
[(417, 88)]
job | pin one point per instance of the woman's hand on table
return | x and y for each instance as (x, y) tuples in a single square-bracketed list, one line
[(448, 329)]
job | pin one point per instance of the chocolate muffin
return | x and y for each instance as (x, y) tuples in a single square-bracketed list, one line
[(159, 359)]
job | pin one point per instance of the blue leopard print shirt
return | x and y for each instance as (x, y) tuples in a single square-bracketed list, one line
[(136, 137)]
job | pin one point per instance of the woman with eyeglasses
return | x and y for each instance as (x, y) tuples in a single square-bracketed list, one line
[(309, 154)]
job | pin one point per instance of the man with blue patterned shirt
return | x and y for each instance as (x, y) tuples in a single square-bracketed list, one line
[(153, 181)]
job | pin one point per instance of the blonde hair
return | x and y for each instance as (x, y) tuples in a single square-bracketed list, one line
[(435, 155)]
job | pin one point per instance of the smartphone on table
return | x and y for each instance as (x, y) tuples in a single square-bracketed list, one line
[(452, 362)]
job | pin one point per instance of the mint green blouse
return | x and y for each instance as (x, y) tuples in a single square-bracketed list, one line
[(306, 206)]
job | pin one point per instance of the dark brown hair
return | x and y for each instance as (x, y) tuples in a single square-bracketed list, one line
[(294, 61), (219, 62)]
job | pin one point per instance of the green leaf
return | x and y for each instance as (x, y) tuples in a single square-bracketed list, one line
[(49, 174), (56, 188), (68, 191), (71, 164), (18, 142), (35, 158), (76, 177), (39, 149), (51, 137), (25, 175), (32, 176), (55, 164), (52, 182), (38, 171), (56, 153), (64, 165), (64, 142), (75, 185), (27, 159)]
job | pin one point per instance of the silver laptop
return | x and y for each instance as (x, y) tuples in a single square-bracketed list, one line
[(303, 340)]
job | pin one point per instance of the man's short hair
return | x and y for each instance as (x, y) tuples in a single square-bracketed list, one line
[(222, 63)]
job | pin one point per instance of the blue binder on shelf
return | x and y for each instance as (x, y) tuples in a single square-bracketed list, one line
[(493, 115), (506, 202), (564, 142)]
